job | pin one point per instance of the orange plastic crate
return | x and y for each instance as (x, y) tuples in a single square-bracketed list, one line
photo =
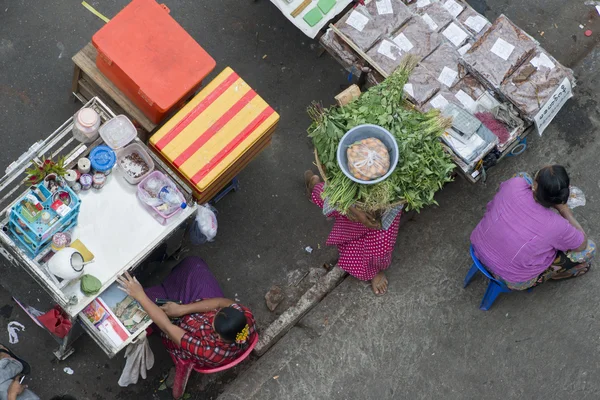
[(151, 58), (216, 134)]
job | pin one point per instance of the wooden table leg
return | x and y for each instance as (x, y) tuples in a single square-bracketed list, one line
[(75, 83)]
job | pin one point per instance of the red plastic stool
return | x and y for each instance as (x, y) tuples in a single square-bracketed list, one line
[(183, 369)]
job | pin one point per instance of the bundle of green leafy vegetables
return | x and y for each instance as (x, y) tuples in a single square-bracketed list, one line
[(423, 166)]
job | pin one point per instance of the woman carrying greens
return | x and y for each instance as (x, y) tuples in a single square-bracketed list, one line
[(365, 248)]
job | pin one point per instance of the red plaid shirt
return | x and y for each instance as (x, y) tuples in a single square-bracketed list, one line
[(201, 343)]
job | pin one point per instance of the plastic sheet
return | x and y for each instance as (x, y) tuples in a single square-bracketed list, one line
[(499, 52), (443, 63), (341, 51), (534, 83), (421, 86), (576, 197), (368, 159)]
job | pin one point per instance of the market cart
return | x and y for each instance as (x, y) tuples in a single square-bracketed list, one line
[(112, 224), (479, 66)]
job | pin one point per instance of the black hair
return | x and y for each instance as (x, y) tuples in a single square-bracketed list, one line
[(552, 185), (64, 397), (229, 322)]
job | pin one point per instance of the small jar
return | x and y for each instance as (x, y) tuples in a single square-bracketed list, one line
[(103, 159), (46, 217), (98, 180), (85, 125), (76, 187), (84, 165), (86, 181), (60, 240), (71, 177)]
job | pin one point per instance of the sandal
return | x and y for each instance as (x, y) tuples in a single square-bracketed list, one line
[(26, 368), (578, 272)]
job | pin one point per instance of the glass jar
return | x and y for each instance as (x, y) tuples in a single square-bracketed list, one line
[(85, 125)]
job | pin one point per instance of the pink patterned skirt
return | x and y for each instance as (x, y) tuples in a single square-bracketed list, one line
[(363, 252)]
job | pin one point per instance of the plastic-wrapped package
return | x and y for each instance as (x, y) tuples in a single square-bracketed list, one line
[(368, 159), (454, 7), (341, 51), (386, 54), (417, 38), (435, 16), (440, 100), (388, 15), (443, 63), (533, 83), (499, 52), (475, 23), (358, 26), (468, 91), (421, 86), (205, 228), (456, 34)]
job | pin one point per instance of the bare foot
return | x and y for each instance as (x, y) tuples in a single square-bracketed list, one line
[(379, 284), (3, 354), (310, 180)]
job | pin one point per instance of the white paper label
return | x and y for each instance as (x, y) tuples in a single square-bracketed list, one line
[(384, 7), (466, 100), (455, 35), (388, 49), (408, 88), (357, 20), (430, 22), (453, 8), (463, 50), (502, 49), (477, 23), (542, 61), (402, 41), (553, 106), (423, 3), (447, 77), (439, 102)]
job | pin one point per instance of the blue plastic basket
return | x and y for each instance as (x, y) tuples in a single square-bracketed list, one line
[(36, 235)]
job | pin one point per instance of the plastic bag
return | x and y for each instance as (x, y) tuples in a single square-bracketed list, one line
[(205, 227), (140, 359), (56, 321), (368, 159), (576, 197)]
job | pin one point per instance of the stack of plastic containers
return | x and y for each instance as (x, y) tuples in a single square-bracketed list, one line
[(39, 214)]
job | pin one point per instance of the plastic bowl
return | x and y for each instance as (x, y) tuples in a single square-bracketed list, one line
[(118, 132), (134, 148), (361, 132)]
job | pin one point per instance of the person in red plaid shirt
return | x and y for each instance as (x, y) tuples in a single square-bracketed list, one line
[(211, 332)]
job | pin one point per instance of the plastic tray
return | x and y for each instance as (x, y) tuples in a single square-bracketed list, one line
[(135, 148), (118, 132), (161, 217), (39, 232)]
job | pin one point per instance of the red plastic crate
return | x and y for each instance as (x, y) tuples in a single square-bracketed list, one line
[(151, 58)]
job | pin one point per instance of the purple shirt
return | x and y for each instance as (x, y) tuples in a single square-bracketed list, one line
[(517, 238)]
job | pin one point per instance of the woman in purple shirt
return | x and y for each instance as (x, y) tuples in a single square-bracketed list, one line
[(529, 235)]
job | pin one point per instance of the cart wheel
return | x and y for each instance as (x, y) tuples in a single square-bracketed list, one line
[(518, 149)]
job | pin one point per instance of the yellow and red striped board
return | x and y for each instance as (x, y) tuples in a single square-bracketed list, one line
[(209, 136)]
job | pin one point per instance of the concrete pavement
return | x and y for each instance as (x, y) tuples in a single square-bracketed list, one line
[(427, 339)]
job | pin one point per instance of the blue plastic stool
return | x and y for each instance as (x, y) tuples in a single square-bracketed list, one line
[(495, 287), (233, 185)]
